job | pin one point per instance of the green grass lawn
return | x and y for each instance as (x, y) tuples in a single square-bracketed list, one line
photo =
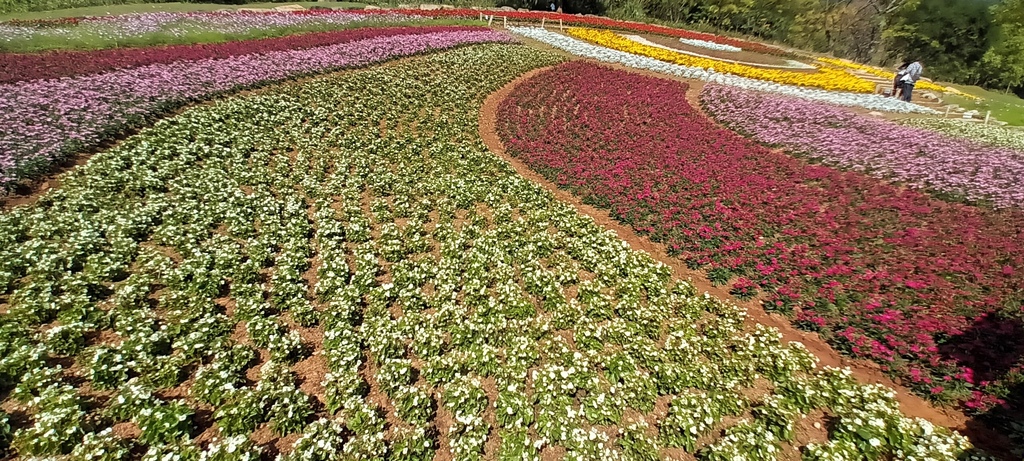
[(1005, 107), (173, 7)]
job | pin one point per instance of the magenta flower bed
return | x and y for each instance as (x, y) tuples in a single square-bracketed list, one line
[(929, 289), (951, 167), (16, 67), (41, 121)]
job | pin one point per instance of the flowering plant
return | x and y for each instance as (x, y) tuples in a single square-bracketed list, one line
[(839, 137), (46, 120), (925, 287), (424, 336), (824, 78), (582, 48)]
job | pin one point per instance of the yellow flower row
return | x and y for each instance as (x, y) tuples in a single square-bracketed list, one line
[(922, 84), (825, 78)]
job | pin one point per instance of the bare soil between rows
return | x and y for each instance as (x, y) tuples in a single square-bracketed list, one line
[(865, 371)]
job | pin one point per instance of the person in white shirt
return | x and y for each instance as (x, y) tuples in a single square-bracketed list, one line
[(910, 77)]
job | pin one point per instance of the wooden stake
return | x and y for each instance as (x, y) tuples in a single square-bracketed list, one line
[(542, 22), (490, 19), (481, 16), (504, 21), (947, 111), (987, 115), (560, 25)]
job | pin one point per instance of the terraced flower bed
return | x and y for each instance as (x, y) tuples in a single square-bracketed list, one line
[(17, 67), (339, 269), (44, 121), (825, 78), (601, 22), (145, 29), (929, 289), (991, 135), (921, 85), (950, 167), (604, 54)]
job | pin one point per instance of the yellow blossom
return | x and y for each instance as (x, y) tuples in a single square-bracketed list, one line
[(825, 78), (923, 84)]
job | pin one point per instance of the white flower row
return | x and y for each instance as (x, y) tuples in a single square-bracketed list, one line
[(710, 45), (790, 64), (580, 48)]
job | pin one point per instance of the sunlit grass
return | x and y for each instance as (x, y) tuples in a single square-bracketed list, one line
[(1005, 107)]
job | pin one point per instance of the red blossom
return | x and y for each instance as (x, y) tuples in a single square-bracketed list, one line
[(918, 284)]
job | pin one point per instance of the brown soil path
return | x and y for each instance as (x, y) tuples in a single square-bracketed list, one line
[(864, 371)]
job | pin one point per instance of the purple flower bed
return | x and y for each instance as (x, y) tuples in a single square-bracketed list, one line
[(947, 166), (43, 121)]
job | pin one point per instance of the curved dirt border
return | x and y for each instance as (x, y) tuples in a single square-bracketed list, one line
[(865, 371)]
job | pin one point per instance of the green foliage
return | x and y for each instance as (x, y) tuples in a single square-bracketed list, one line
[(949, 37), (58, 423), (165, 422), (235, 448), (241, 414), (5, 432), (1003, 63), (101, 446)]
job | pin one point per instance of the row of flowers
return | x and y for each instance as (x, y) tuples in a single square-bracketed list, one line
[(916, 157), (126, 27), (43, 121), (927, 288), (604, 23), (16, 67), (456, 305), (789, 64), (921, 84), (992, 135), (133, 25), (710, 45), (824, 78), (581, 48)]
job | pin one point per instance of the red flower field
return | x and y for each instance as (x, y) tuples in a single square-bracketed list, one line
[(931, 290)]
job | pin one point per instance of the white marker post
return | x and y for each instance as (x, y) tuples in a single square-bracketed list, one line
[(560, 25), (490, 19), (947, 111), (987, 115), (504, 21), (542, 22)]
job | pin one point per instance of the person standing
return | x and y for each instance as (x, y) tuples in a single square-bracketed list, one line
[(896, 80), (909, 79)]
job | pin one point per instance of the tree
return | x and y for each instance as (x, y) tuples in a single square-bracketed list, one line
[(949, 36), (1003, 63)]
